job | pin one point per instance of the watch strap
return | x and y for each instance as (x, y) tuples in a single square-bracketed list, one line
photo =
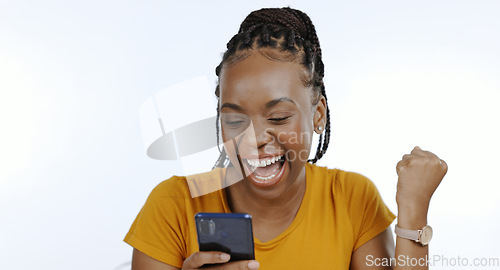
[(408, 234)]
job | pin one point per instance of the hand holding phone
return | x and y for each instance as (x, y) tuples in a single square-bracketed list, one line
[(204, 259), (224, 233)]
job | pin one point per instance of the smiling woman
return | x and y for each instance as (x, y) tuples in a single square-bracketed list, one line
[(271, 99), (274, 99)]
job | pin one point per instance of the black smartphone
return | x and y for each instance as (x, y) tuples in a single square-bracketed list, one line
[(227, 232)]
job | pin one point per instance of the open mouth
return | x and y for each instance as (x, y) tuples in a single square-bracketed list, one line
[(265, 171)]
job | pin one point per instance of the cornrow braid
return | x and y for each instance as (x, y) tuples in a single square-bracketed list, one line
[(288, 30)]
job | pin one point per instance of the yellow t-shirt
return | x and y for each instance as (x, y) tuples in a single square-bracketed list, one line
[(340, 212)]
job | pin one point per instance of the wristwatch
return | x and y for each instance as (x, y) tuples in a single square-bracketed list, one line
[(422, 236)]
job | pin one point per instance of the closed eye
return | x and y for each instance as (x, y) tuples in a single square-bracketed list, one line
[(278, 119), (234, 120), (234, 123)]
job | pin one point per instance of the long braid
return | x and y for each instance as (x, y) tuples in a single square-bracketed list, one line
[(313, 37), (288, 30)]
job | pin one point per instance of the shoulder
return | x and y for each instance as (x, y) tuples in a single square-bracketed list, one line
[(189, 186), (166, 198), (174, 187), (342, 181)]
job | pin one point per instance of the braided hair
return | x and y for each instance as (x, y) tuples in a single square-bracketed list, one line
[(292, 32)]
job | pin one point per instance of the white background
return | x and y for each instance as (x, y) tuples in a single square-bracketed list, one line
[(73, 75)]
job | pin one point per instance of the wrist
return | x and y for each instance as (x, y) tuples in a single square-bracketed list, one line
[(412, 218)]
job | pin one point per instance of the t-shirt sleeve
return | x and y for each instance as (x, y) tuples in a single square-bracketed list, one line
[(158, 229), (368, 213)]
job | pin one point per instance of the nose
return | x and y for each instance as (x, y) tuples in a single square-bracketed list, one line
[(257, 135)]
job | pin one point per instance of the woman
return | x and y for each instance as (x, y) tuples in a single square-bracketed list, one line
[(271, 98)]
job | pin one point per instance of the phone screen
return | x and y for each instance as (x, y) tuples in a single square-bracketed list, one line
[(227, 232)]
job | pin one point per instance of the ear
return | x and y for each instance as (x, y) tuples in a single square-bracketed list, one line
[(319, 118)]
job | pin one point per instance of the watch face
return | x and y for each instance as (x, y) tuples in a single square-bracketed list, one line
[(426, 235)]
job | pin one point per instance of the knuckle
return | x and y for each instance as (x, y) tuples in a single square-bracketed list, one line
[(426, 160), (432, 160), (399, 166), (411, 161), (444, 165), (196, 256), (243, 266)]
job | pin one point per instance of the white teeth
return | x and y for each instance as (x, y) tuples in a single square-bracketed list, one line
[(263, 163), (265, 178), (257, 163)]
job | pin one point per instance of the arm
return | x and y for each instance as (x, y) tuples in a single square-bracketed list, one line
[(419, 175), (407, 250), (378, 248), (141, 261)]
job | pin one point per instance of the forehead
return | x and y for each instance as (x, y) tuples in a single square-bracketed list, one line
[(259, 74)]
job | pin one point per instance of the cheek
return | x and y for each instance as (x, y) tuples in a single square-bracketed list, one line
[(297, 142), (228, 141)]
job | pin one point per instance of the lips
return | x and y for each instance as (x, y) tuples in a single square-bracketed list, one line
[(265, 171)]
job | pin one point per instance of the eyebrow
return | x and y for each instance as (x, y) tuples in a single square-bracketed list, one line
[(267, 106), (278, 100), (232, 106)]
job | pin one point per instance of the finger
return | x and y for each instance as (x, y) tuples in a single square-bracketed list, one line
[(407, 156), (198, 259), (444, 164), (429, 155), (239, 265), (400, 166), (417, 151)]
